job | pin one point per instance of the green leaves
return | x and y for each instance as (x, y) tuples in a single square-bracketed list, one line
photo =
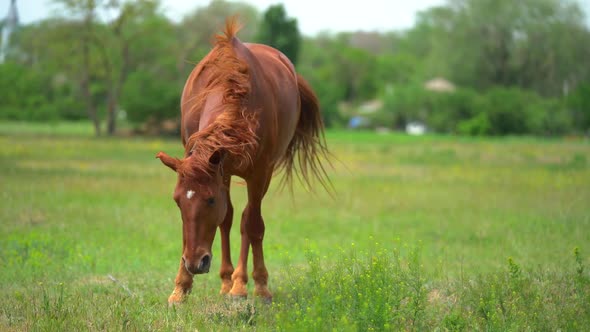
[(280, 32)]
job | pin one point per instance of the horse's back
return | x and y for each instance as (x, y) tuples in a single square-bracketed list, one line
[(275, 87), (274, 96), (190, 116)]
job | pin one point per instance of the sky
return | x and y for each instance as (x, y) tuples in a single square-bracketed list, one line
[(312, 16)]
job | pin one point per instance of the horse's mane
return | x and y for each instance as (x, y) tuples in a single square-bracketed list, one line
[(233, 131)]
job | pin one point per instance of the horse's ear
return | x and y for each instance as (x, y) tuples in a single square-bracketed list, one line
[(217, 157), (173, 163)]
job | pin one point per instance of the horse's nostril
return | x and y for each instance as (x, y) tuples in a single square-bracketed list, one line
[(205, 263)]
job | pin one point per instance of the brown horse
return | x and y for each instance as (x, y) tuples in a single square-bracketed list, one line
[(245, 112)]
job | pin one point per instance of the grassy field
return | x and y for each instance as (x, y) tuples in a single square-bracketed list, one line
[(423, 233)]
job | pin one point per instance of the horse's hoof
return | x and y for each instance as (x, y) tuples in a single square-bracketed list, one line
[(176, 298), (238, 297), (225, 288), (174, 302), (266, 300), (239, 290), (264, 295)]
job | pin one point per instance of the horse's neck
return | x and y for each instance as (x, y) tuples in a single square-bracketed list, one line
[(211, 109)]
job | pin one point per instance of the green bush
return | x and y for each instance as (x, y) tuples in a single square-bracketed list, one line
[(27, 95), (499, 111), (507, 110), (579, 103), (478, 125), (401, 105), (512, 111), (441, 111), (362, 291), (145, 96), (22, 94), (549, 117), (67, 105), (447, 110)]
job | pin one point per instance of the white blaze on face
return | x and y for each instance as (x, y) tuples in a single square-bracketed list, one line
[(189, 194)]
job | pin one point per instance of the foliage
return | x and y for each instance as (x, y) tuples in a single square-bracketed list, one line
[(441, 111), (364, 291), (513, 300), (499, 111), (147, 97), (506, 110), (401, 105), (195, 32), (317, 67), (28, 95), (518, 68), (579, 103), (281, 32), (536, 45)]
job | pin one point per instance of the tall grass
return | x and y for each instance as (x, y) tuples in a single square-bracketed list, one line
[(365, 291), (429, 233)]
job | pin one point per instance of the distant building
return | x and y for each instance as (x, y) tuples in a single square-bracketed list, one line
[(9, 26), (371, 106), (439, 84), (415, 128)]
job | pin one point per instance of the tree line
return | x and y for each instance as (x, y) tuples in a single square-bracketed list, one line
[(514, 67)]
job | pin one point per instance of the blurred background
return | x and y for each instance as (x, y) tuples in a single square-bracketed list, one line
[(441, 231), (467, 67)]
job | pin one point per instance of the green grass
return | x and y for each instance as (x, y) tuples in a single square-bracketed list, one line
[(423, 233)]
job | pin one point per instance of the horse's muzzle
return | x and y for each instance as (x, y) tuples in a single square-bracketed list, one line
[(202, 266)]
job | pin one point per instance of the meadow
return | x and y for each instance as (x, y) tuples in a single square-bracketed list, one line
[(422, 233)]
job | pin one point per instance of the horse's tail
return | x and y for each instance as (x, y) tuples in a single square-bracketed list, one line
[(308, 147)]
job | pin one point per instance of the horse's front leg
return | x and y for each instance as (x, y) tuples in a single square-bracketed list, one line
[(240, 276), (183, 284), (255, 229), (227, 268)]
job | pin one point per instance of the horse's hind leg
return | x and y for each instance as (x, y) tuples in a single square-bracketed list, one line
[(227, 268), (252, 229)]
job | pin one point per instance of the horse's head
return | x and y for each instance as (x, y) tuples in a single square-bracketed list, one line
[(201, 195)]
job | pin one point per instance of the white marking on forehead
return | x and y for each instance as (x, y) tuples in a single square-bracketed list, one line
[(190, 194)]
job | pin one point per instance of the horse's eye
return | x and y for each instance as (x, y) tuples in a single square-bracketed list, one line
[(210, 201)]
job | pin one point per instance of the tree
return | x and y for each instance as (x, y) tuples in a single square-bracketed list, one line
[(104, 53), (23, 96), (151, 89), (136, 20), (81, 35), (319, 70), (531, 44), (195, 33), (579, 102), (280, 32)]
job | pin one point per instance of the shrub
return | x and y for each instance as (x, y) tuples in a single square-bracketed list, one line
[(507, 110), (447, 110), (364, 291), (27, 95), (145, 96), (579, 103), (401, 105), (478, 125), (499, 111), (549, 117), (22, 94)]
